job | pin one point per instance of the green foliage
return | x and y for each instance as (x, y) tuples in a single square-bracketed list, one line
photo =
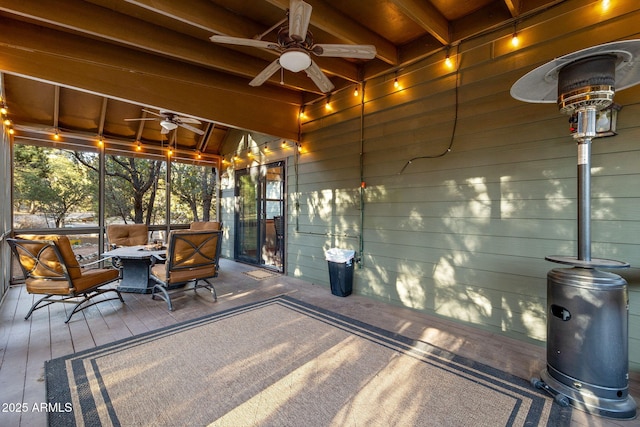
[(131, 189), (193, 191), (54, 183), (51, 182)]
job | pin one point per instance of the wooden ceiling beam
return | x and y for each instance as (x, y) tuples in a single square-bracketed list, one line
[(513, 6), (122, 73), (56, 107), (141, 125), (207, 16), (206, 137), (428, 17), (202, 14), (96, 21), (103, 116)]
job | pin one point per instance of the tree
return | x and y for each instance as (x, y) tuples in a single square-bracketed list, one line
[(131, 188), (51, 182), (31, 166), (194, 187)]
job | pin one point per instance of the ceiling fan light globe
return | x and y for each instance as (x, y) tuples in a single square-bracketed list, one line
[(295, 60), (168, 125)]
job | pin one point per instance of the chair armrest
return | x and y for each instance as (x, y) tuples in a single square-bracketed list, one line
[(96, 262), (158, 259)]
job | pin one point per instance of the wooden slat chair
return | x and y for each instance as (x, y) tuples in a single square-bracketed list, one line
[(192, 257), (51, 269)]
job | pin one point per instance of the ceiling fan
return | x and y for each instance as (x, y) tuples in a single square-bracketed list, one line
[(295, 43), (170, 121)]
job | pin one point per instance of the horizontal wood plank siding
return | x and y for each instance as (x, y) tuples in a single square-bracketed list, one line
[(464, 235)]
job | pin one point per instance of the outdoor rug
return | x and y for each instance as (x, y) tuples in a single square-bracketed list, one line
[(260, 274), (282, 362)]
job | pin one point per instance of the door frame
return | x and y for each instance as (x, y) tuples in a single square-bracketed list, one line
[(261, 215)]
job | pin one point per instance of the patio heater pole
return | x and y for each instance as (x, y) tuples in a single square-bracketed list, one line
[(586, 132)]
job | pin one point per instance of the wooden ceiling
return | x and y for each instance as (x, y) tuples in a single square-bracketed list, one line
[(83, 67)]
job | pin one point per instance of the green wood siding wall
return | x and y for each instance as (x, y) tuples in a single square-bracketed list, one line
[(464, 235)]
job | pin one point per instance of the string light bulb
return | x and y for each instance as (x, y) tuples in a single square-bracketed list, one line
[(138, 146), (3, 109), (56, 135), (327, 106), (515, 41), (355, 91), (447, 60), (198, 154), (395, 82)]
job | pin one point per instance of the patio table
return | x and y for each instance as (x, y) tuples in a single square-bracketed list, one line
[(136, 261)]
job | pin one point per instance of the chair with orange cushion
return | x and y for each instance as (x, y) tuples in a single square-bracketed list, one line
[(192, 256), (51, 269), (127, 235), (205, 225)]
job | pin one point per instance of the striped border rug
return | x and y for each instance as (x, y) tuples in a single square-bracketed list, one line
[(284, 362)]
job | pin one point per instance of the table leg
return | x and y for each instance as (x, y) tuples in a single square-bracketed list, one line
[(135, 276)]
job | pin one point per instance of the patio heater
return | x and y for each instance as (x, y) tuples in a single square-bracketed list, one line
[(587, 309)]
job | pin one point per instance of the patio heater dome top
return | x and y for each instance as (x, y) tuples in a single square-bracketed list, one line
[(541, 84)]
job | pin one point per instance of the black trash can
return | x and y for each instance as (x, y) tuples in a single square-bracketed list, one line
[(340, 271)]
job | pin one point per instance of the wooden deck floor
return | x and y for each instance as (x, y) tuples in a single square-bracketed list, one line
[(26, 344)]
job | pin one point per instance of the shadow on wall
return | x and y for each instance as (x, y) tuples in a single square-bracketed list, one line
[(468, 249)]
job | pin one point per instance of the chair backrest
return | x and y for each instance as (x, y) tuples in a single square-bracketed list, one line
[(193, 254), (46, 259), (127, 234), (205, 225)]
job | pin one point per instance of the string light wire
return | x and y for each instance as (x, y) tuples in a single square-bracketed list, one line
[(453, 130)]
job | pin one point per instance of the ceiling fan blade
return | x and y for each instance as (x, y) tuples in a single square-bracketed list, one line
[(266, 73), (140, 119), (319, 78), (191, 128), (239, 41), (362, 51), (299, 17), (183, 119), (152, 112)]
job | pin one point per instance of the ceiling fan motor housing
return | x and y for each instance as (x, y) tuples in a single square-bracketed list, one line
[(587, 82)]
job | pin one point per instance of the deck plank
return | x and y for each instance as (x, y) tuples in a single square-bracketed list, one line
[(26, 344), (14, 367)]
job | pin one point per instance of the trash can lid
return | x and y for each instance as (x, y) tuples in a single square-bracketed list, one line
[(339, 255)]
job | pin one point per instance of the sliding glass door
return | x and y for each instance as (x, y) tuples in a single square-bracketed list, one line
[(260, 215)]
